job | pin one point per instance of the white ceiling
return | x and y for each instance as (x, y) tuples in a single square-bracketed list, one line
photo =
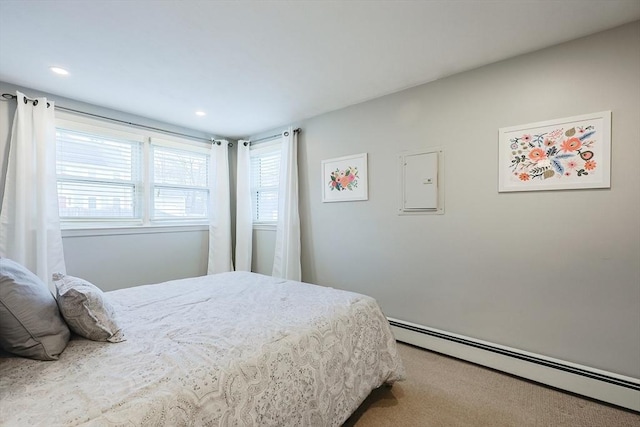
[(257, 65)]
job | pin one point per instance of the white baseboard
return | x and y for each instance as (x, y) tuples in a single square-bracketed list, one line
[(601, 385)]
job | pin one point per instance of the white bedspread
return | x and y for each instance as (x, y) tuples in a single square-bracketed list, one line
[(234, 349)]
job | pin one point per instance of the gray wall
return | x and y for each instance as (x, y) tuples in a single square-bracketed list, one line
[(264, 242), (123, 260), (556, 273), (120, 260)]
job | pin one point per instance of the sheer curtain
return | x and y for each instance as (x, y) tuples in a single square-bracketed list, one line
[(286, 259), (29, 219), (220, 211), (244, 214)]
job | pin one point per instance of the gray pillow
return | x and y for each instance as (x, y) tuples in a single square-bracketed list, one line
[(30, 322), (87, 309)]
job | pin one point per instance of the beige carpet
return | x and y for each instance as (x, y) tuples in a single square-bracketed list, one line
[(443, 391)]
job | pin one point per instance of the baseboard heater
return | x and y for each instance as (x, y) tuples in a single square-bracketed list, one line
[(590, 382)]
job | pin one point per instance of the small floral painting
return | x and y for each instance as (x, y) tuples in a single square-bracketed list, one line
[(344, 178), (562, 154)]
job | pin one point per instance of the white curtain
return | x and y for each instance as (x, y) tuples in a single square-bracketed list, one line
[(220, 211), (29, 219), (244, 214), (286, 260)]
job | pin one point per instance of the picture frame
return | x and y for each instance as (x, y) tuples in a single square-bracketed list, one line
[(560, 154), (345, 179)]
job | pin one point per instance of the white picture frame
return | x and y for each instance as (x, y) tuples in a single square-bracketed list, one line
[(560, 154), (345, 179)]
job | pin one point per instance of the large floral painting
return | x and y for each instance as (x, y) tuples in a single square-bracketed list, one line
[(568, 153), (345, 178)]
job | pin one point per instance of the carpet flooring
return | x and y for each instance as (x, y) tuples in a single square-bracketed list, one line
[(444, 391)]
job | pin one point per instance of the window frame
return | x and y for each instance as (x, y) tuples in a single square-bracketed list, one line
[(143, 224)]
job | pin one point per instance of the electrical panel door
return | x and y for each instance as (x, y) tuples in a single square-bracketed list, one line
[(420, 182)]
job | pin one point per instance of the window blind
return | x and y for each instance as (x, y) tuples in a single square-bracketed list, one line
[(98, 177), (109, 176), (180, 184), (265, 179)]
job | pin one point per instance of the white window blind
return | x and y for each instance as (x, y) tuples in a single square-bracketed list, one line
[(265, 177), (180, 184), (99, 177), (111, 175)]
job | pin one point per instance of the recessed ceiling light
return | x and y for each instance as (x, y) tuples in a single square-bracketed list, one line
[(200, 113), (59, 70)]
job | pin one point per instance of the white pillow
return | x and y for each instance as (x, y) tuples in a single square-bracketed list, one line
[(86, 309)]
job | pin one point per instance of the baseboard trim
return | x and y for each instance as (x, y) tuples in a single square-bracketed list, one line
[(608, 387)]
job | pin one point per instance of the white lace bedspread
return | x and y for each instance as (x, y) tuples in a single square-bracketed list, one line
[(233, 349)]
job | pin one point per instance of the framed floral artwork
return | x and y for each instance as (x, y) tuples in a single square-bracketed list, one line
[(345, 178), (561, 154)]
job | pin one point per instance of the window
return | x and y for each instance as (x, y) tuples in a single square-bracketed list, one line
[(180, 184), (99, 176), (265, 179), (110, 176)]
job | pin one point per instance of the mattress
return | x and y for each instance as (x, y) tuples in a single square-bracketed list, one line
[(232, 349)]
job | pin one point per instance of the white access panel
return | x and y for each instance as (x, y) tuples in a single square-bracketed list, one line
[(420, 182)]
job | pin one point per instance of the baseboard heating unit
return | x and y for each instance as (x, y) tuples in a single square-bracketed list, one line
[(601, 385)]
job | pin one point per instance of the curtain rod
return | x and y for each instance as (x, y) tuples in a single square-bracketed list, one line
[(57, 107), (277, 135)]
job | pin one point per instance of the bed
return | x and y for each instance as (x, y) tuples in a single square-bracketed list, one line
[(232, 349)]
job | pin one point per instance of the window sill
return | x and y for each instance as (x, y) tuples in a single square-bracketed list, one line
[(123, 230), (267, 227)]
